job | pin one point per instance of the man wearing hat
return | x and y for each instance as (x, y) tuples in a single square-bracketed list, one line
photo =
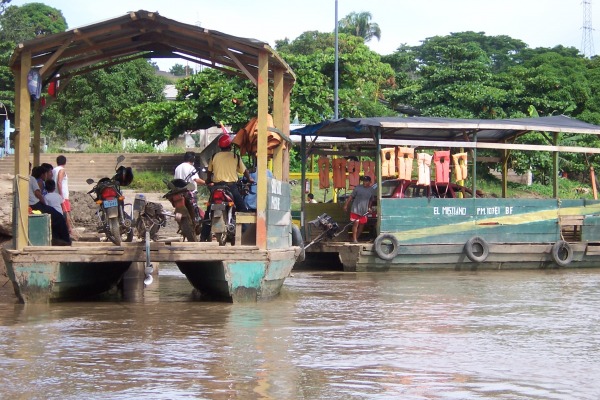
[(361, 199)]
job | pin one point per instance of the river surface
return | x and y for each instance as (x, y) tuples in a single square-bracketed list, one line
[(330, 335)]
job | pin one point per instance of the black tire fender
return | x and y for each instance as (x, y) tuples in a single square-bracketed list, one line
[(382, 244), (562, 253), (472, 249), (298, 241)]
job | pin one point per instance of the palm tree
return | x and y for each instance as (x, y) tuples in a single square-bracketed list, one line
[(359, 24)]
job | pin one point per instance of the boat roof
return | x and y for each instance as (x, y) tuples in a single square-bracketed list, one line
[(145, 34), (444, 129)]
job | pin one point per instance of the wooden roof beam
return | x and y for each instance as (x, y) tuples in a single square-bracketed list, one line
[(241, 66), (96, 66)]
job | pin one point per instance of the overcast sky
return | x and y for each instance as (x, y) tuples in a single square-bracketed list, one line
[(539, 23)]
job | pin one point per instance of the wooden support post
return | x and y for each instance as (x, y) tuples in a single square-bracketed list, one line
[(22, 153), (261, 154), (504, 173), (556, 137), (593, 179), (37, 126), (278, 121)]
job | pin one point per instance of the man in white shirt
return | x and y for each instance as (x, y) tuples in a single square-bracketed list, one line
[(187, 171), (59, 175)]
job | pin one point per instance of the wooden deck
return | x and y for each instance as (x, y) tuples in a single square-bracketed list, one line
[(159, 252)]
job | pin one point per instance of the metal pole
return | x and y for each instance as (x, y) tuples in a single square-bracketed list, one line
[(335, 80)]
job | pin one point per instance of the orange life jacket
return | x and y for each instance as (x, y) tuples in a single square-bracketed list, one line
[(369, 169), (323, 164), (441, 159), (424, 164), (459, 161), (388, 164), (353, 168), (405, 158), (339, 173)]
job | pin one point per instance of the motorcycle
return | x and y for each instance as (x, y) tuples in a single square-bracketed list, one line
[(113, 221), (187, 214), (220, 221), (148, 218)]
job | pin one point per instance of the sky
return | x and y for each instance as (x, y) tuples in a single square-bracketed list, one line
[(538, 23)]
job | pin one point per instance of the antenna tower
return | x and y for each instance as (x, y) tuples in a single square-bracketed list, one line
[(587, 41)]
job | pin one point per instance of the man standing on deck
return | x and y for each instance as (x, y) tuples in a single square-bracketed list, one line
[(59, 175), (362, 200)]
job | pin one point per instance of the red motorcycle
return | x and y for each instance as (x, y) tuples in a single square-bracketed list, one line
[(113, 220), (187, 214), (220, 218)]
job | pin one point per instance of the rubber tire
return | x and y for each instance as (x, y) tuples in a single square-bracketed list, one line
[(557, 250), (186, 226), (378, 246), (114, 231), (470, 249), (298, 241), (128, 237)]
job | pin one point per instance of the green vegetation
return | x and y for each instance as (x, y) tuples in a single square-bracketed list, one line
[(464, 74)]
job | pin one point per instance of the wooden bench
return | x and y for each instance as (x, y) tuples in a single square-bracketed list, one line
[(570, 226), (242, 218)]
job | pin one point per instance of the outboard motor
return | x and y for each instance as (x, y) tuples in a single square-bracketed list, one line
[(326, 224)]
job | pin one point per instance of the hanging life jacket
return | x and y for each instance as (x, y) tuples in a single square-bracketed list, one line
[(405, 158), (459, 161), (424, 164)]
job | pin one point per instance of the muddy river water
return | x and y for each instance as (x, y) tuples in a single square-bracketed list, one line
[(330, 335)]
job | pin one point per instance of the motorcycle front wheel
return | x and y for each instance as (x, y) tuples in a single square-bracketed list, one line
[(114, 231), (186, 226)]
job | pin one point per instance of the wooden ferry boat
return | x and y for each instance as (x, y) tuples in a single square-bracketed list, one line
[(439, 224), (256, 267)]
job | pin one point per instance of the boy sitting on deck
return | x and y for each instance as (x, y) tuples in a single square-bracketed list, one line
[(52, 198)]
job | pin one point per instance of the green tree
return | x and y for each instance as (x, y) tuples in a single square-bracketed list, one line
[(359, 24), (29, 21), (18, 24), (362, 77), (203, 100), (3, 5), (179, 70), (90, 105)]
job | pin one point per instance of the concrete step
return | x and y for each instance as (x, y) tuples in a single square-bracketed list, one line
[(81, 166)]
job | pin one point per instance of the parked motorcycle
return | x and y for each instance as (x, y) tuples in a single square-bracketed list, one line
[(220, 221), (187, 214), (148, 218), (113, 220)]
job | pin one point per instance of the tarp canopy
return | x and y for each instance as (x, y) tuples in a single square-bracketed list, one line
[(444, 129)]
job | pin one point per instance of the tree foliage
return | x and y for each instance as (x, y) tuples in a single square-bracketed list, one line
[(363, 77), (18, 24), (204, 100), (180, 70), (89, 105), (359, 24), (465, 74)]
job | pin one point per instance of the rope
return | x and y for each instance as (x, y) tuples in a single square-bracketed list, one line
[(16, 184)]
